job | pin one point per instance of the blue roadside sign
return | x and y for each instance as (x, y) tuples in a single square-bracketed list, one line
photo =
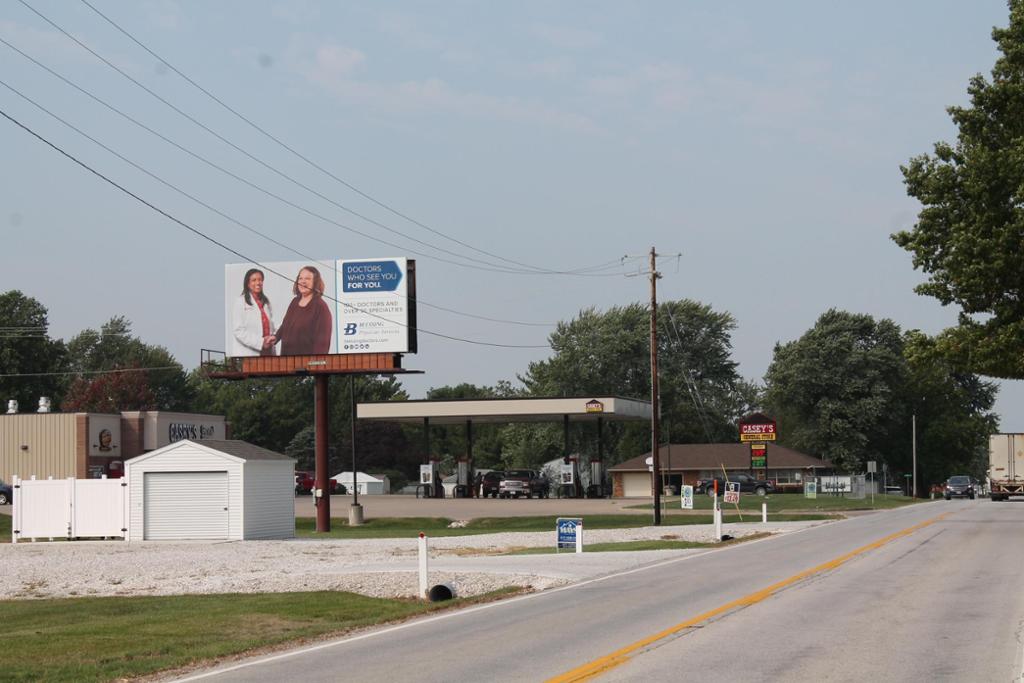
[(567, 528)]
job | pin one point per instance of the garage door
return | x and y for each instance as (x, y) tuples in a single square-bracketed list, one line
[(185, 505), (636, 485)]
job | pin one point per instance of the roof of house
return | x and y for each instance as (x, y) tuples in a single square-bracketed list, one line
[(242, 449), (708, 456), (239, 450)]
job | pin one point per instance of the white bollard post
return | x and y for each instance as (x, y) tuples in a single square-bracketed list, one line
[(579, 537), (423, 565), (718, 521), (764, 513)]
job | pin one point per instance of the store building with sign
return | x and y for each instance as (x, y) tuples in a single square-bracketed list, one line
[(686, 463), (93, 445)]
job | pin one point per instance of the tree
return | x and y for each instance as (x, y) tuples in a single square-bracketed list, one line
[(110, 392), (114, 348), (835, 391), (953, 415), (969, 236), (268, 412), (448, 442), (609, 354), (278, 414), (847, 389), (27, 351)]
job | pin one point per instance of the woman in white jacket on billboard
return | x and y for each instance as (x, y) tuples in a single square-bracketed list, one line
[(252, 319)]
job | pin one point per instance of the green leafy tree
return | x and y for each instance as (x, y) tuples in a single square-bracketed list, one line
[(608, 353), (279, 413), (449, 442), (26, 349), (969, 235), (847, 390), (268, 412), (835, 391), (953, 415), (114, 348)]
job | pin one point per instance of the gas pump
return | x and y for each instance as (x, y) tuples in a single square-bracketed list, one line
[(570, 481), (463, 478), (430, 480)]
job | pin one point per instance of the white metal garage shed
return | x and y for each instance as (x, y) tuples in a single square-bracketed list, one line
[(210, 490)]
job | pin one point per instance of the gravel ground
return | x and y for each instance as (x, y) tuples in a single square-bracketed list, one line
[(375, 567)]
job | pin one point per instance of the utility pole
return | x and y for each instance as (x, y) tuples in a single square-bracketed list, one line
[(656, 474), (913, 450)]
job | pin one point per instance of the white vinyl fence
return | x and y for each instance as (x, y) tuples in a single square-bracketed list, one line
[(69, 509)]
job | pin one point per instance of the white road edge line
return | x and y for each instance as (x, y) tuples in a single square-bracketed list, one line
[(491, 605)]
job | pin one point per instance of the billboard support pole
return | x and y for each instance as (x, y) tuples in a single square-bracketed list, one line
[(322, 483)]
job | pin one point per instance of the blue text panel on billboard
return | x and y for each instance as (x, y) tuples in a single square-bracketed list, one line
[(371, 276)]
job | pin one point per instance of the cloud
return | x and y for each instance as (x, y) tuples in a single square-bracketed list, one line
[(340, 71), (567, 38), (665, 85), (558, 67), (333, 62), (165, 14), (52, 48), (407, 29), (297, 12)]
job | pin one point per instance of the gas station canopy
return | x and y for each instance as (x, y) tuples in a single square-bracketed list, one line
[(506, 410)]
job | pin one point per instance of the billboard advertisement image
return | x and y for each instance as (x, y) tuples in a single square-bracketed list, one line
[(298, 308)]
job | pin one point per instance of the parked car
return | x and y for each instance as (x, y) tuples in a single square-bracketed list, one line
[(527, 483), (748, 484), (490, 482), (6, 493), (960, 486), (305, 482)]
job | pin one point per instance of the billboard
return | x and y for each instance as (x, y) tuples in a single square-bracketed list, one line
[(298, 308)]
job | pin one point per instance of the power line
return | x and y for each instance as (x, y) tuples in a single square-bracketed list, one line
[(231, 174), (531, 269), (92, 372), (228, 217), (298, 154), (206, 237)]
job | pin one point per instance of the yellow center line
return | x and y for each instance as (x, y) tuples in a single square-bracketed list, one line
[(622, 655)]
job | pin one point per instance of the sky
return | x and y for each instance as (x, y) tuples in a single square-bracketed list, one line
[(756, 146)]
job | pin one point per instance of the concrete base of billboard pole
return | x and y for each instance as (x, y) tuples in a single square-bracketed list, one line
[(355, 515)]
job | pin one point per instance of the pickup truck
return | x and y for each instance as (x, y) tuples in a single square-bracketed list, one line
[(305, 481), (748, 484), (527, 483)]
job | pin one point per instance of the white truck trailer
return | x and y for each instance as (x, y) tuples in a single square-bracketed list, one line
[(1006, 465)]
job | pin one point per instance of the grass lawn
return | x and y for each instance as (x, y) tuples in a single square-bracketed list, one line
[(99, 639), (401, 527), (793, 502), (5, 528)]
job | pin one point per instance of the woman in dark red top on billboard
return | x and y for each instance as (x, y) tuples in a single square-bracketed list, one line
[(307, 325)]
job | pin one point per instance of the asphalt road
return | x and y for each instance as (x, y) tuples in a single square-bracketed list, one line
[(927, 592)]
